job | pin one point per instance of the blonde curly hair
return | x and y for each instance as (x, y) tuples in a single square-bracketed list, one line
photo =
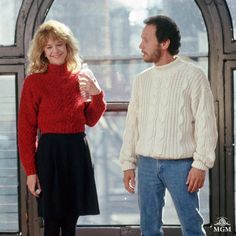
[(54, 30)]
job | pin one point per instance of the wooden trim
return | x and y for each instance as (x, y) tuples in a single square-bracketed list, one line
[(229, 141)]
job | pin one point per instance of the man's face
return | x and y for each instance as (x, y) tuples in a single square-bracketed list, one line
[(149, 45)]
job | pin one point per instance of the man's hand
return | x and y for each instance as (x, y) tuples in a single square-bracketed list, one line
[(195, 179), (129, 180)]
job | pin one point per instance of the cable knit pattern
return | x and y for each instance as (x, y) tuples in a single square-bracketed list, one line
[(170, 116), (51, 102)]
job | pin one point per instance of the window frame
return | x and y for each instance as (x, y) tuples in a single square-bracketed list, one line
[(217, 19)]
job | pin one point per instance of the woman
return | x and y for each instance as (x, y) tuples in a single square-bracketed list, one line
[(59, 169)]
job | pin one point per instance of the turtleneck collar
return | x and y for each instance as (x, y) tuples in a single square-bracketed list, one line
[(170, 65), (58, 69)]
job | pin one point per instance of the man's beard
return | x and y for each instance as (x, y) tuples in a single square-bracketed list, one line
[(154, 57)]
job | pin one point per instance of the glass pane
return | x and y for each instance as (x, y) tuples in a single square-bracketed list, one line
[(117, 88), (9, 221), (116, 205), (9, 11), (111, 30), (232, 9), (109, 37)]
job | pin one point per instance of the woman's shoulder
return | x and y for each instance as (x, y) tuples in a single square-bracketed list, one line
[(33, 76), (34, 80)]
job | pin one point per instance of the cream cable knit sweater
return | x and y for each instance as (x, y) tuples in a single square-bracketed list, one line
[(170, 116)]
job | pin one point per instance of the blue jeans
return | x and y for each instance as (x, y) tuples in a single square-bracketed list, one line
[(154, 177)]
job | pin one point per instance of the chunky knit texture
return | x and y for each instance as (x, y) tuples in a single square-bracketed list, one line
[(51, 102), (170, 116)]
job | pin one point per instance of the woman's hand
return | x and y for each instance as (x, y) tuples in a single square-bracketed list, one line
[(88, 82), (34, 185)]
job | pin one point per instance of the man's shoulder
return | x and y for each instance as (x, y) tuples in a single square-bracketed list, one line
[(145, 72), (194, 73), (191, 67)]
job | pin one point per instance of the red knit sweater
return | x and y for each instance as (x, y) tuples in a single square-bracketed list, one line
[(51, 102)]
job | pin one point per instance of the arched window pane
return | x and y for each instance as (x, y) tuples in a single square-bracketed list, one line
[(232, 9), (9, 11), (109, 35)]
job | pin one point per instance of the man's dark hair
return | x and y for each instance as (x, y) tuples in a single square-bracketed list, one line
[(166, 29)]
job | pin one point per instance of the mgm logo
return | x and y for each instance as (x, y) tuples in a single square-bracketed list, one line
[(221, 225)]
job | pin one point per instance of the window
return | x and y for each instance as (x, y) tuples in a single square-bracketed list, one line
[(9, 220), (9, 12), (109, 37), (232, 9)]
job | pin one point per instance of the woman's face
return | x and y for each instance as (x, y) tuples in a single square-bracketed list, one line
[(55, 51)]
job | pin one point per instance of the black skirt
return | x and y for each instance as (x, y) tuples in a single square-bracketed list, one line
[(66, 176)]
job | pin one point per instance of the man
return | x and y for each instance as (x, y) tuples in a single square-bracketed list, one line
[(170, 131)]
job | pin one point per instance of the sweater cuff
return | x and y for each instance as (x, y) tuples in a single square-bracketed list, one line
[(30, 170), (98, 98), (199, 165), (127, 166), (203, 162)]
